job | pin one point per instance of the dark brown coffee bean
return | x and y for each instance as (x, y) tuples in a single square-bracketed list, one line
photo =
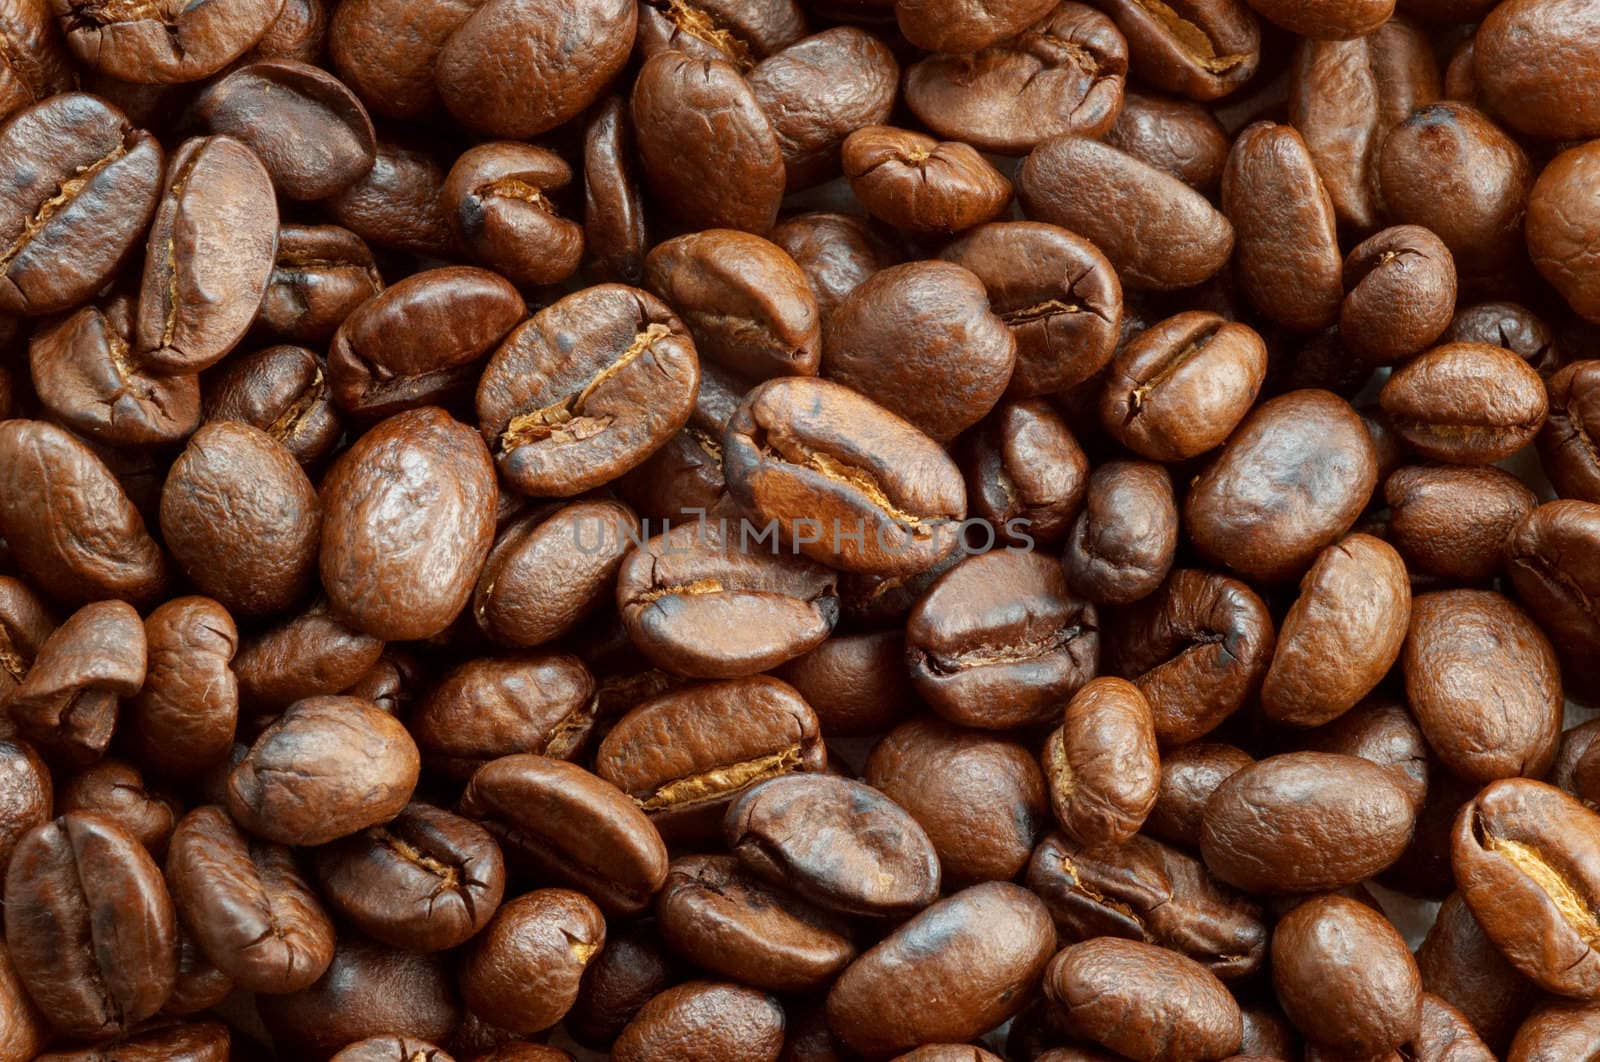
[(717, 914), (157, 47), (1057, 294), (586, 389), (733, 178), (723, 1021), (320, 275), (1461, 966), (68, 702), (85, 377), (27, 798), (856, 683), (408, 519), (38, 68), (1514, 60), (1026, 474), (1344, 98), (1510, 325), (183, 719), (421, 341), (1483, 682), (299, 32), (1344, 976), (1525, 857), (1000, 640), (329, 766), (1090, 189), (1466, 403), (567, 825), (1189, 775), (1249, 509), (522, 973), (1176, 136), (1327, 19), (308, 129), (115, 790), (741, 32), (920, 184), (73, 888), (1557, 1030), (391, 1049), (806, 454), (284, 392), (307, 655), (980, 798), (744, 300), (836, 252), (80, 185), (1101, 988), (242, 519), (1144, 890), (246, 905), (1063, 74), (614, 234), (1554, 564), (390, 67), (1182, 386), (992, 940), (1305, 822), (683, 480), (495, 197), (486, 708), (1563, 221), (1567, 449), (683, 756), (1455, 523), (1197, 649), (426, 881), (1101, 765), (1202, 49), (817, 91), (1401, 292), (947, 26), (1122, 545), (397, 203)]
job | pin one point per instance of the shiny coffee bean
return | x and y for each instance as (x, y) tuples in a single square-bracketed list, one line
[(1122, 544), (1465, 403), (539, 703), (1101, 765), (496, 197)]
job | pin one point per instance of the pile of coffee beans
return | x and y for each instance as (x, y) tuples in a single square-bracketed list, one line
[(799, 530)]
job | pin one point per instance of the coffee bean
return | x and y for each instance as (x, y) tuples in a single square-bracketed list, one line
[(497, 202), (67, 704), (399, 202), (1025, 473), (1400, 293), (1551, 561), (1565, 441), (1562, 220), (540, 703), (1381, 730), (1557, 1029), (1189, 775), (1510, 325), (115, 790), (726, 1021), (1465, 403), (630, 970), (522, 973), (284, 392), (1176, 136), (856, 683), (1462, 966), (1122, 544), (836, 252), (200, 1042), (1512, 61), (1108, 722), (614, 234), (1454, 522), (944, 26), (188, 45), (920, 184), (306, 655)]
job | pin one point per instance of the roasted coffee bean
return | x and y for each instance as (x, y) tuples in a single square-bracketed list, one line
[(320, 275), (398, 203), (540, 703), (1462, 966), (683, 756), (1270, 187), (27, 796), (420, 341), (856, 683), (920, 184), (80, 184), (1342, 634), (495, 197), (1088, 187), (208, 257), (908, 321), (1123, 543), (741, 33), (75, 890), (246, 905), (200, 985), (1291, 480), (980, 798), (846, 481), (299, 32), (1026, 474), (1000, 640), (329, 766), (306, 655), (1344, 976), (308, 129), (522, 973), (1453, 171), (1182, 386), (242, 519), (1465, 403), (1344, 98), (744, 300), (720, 1020), (391, 1049), (1454, 523), (164, 45), (1400, 294), (614, 234), (428, 880), (733, 178), (1179, 137), (1063, 74), (1305, 822), (1524, 856), (83, 376), (717, 914), (993, 940), (1104, 991), (836, 252), (284, 392), (586, 389), (683, 480), (1563, 220), (1189, 775), (1197, 649), (25, 625), (1101, 765), (1056, 293), (565, 824), (1512, 60), (1567, 450), (946, 26), (67, 704), (36, 66), (368, 990), (1557, 1030), (408, 519), (818, 91), (115, 790), (1483, 683), (200, 1042), (1145, 890), (629, 971), (1510, 325), (840, 844), (1554, 565)]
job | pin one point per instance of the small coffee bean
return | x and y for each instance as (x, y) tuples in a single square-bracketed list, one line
[(1026, 474), (725, 1021), (614, 234), (1101, 764), (496, 197), (284, 392), (540, 703), (1566, 442), (836, 252), (1455, 523), (1122, 544), (920, 184), (1466, 403), (67, 704), (306, 655)]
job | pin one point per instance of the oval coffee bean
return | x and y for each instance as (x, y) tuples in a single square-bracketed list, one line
[(165, 46), (540, 703), (67, 704), (946, 26), (1562, 220), (497, 201), (183, 719), (919, 184), (1465, 403), (1567, 451), (728, 1022), (284, 392), (1400, 293), (1101, 764), (320, 275), (1514, 62), (521, 973), (1025, 472), (1455, 522), (1122, 544)]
